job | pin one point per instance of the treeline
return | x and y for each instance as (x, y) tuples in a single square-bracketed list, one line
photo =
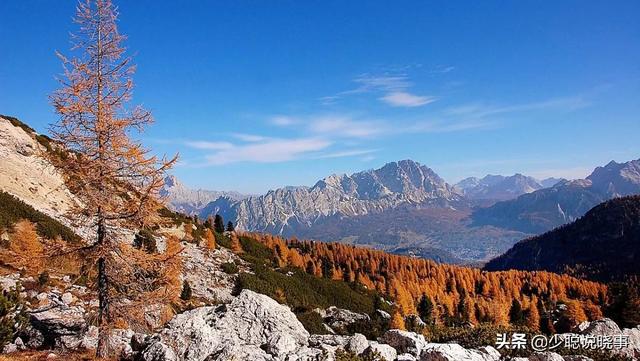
[(446, 294)]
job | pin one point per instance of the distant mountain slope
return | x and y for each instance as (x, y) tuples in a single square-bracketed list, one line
[(551, 181), (402, 207), (497, 187), (603, 245), (548, 208), (190, 201), (373, 191)]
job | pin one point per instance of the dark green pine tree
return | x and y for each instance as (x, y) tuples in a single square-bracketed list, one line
[(327, 268), (425, 309), (516, 315), (185, 295), (218, 224), (230, 227)]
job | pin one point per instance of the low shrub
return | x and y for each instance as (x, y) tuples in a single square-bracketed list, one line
[(230, 268)]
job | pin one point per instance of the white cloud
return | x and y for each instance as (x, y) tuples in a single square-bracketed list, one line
[(347, 153), (344, 126), (270, 151), (249, 137), (380, 82), (283, 121), (442, 69), (393, 89), (404, 99), (479, 110), (199, 144)]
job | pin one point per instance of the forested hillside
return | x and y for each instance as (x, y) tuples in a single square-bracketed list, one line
[(603, 245), (460, 294)]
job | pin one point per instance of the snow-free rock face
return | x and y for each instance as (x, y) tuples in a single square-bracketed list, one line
[(607, 327), (455, 352), (203, 271), (27, 175), (405, 341), (497, 187), (183, 199), (286, 209), (250, 322)]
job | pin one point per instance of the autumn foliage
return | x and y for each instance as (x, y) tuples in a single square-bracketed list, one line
[(459, 294)]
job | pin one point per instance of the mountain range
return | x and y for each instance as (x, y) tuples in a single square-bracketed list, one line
[(499, 188), (402, 207), (190, 201), (603, 245), (548, 208), (405, 207)]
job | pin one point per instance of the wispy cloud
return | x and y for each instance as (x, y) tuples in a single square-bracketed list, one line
[(442, 69), (201, 144), (403, 99), (393, 87), (270, 151), (343, 126), (249, 137), (347, 153), (480, 110), (282, 120)]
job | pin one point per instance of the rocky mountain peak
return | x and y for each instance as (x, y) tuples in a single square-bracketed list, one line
[(498, 187), (617, 179), (370, 191)]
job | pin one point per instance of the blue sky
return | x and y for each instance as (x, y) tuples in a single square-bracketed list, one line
[(260, 94)]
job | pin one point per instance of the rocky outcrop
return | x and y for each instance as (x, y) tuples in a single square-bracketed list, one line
[(203, 271), (607, 327), (339, 319), (27, 175), (455, 352), (251, 322)]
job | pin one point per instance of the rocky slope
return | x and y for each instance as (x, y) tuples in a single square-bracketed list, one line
[(497, 187), (603, 245), (191, 201), (27, 175), (255, 327), (548, 208)]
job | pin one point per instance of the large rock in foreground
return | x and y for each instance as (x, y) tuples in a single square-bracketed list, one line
[(251, 321)]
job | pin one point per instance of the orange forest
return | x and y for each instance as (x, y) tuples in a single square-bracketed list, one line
[(462, 293)]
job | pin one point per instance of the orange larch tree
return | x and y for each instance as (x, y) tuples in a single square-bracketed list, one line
[(115, 179)]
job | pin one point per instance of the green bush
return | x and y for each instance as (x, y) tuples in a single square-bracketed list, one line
[(312, 322), (12, 210), (12, 317), (230, 268)]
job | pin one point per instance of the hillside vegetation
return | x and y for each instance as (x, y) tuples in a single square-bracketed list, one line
[(12, 210), (460, 294)]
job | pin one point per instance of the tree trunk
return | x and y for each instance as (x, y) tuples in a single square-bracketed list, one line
[(103, 296)]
